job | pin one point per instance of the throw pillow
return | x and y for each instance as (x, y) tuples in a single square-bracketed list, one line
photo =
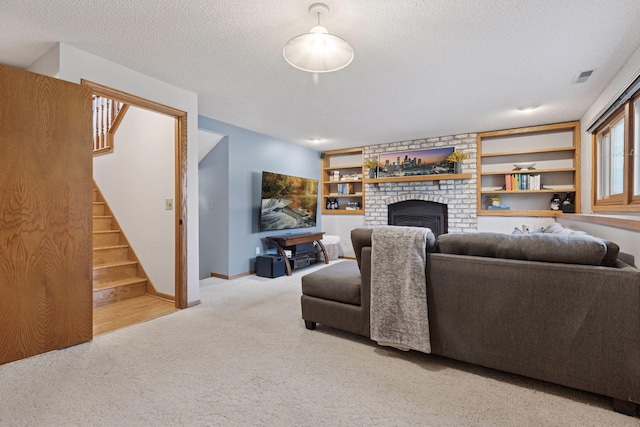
[(557, 228), (611, 256)]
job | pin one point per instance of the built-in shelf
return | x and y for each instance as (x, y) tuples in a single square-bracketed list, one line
[(540, 151), (343, 211), (329, 168), (530, 171), (332, 195), (554, 149), (544, 190), (343, 181), (343, 163), (435, 177)]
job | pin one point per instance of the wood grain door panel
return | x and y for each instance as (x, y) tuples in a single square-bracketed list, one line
[(45, 214)]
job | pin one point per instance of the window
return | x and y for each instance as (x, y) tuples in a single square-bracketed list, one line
[(616, 146), (636, 149)]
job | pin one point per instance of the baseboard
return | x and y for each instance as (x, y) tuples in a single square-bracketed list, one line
[(193, 303), (233, 276), (165, 296), (347, 257)]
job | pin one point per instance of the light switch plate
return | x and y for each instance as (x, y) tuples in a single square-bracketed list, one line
[(168, 204)]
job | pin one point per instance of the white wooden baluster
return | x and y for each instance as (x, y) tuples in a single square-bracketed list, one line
[(94, 108), (103, 123), (105, 112)]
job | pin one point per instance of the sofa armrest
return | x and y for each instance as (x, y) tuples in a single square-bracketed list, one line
[(360, 238)]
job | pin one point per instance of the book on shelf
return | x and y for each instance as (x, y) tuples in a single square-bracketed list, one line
[(498, 208), (345, 189), (522, 182)]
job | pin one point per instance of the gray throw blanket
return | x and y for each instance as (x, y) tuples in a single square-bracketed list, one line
[(399, 315)]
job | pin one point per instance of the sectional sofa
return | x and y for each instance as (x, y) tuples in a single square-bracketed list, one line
[(563, 308)]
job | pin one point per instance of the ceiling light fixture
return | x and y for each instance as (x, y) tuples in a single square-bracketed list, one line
[(318, 51), (528, 108)]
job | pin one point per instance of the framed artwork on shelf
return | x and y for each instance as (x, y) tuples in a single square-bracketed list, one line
[(419, 162)]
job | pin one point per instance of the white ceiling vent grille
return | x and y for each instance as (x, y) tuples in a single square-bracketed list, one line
[(582, 76)]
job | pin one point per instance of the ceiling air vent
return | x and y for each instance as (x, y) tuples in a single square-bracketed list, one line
[(582, 76)]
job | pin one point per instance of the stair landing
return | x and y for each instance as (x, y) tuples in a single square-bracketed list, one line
[(128, 312)]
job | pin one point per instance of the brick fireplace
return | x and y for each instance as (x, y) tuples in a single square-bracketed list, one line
[(459, 195)]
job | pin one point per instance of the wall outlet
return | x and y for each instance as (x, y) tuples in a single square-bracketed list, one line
[(257, 250), (168, 204)]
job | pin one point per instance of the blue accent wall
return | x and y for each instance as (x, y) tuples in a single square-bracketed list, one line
[(213, 202), (249, 154)]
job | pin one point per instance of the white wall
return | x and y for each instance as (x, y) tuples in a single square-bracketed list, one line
[(135, 180), (506, 224), (76, 65), (341, 226), (48, 64)]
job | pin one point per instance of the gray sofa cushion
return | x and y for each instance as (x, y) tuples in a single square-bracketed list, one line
[(568, 249), (338, 282), (612, 249)]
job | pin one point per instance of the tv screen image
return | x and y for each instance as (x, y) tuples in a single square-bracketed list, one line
[(288, 202)]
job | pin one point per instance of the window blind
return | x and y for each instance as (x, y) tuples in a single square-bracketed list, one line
[(624, 97)]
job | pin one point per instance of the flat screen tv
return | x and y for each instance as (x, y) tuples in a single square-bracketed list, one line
[(287, 202)]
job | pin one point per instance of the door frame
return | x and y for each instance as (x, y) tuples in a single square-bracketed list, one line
[(180, 177)]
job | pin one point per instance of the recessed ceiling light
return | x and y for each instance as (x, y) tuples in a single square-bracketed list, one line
[(528, 108), (315, 140)]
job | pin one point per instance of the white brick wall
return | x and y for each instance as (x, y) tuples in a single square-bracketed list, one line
[(459, 194)]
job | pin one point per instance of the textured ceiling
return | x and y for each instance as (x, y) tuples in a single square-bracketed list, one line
[(421, 68)]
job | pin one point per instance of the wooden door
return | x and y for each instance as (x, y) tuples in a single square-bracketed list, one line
[(45, 214)]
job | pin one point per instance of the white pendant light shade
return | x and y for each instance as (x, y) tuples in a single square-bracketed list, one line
[(318, 51)]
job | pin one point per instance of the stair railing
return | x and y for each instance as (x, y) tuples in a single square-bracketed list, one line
[(107, 116)]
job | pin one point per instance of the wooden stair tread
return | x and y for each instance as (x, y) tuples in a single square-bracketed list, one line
[(103, 216), (114, 264), (117, 283), (104, 248), (106, 231)]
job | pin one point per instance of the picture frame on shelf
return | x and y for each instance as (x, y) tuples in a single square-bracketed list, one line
[(428, 161)]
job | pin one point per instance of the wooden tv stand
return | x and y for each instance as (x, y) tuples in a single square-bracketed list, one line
[(288, 240)]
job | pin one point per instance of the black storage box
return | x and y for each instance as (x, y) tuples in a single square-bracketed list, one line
[(270, 266)]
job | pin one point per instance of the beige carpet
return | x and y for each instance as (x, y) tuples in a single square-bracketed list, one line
[(244, 358)]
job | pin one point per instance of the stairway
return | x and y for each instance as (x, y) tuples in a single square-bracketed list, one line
[(117, 275), (122, 292)]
